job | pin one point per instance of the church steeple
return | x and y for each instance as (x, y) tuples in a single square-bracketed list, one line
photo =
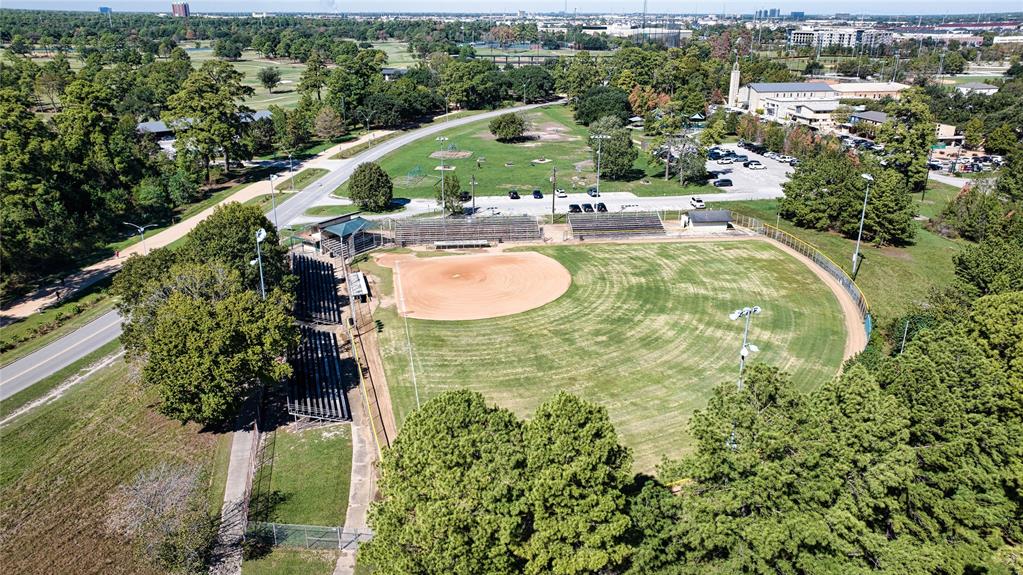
[(733, 84)]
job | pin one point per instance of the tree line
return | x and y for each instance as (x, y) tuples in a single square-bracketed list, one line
[(909, 462)]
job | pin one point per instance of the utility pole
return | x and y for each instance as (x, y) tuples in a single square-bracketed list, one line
[(600, 145), (554, 192)]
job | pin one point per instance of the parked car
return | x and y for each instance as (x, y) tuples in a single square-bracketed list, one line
[(794, 162), (464, 197), (724, 161), (537, 194), (588, 208), (513, 194), (561, 193), (933, 165), (772, 155), (574, 209), (592, 192), (601, 207), (741, 158), (754, 165), (722, 183), (697, 203)]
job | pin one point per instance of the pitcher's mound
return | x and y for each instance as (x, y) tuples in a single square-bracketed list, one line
[(478, 286)]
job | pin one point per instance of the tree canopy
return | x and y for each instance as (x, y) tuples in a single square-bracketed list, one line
[(370, 187)]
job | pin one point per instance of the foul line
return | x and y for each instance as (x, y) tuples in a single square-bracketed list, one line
[(408, 338)]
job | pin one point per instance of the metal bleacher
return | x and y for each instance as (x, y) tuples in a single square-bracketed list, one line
[(317, 387), (493, 229), (615, 225), (317, 299)]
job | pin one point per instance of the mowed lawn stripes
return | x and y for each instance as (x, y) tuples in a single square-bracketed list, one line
[(643, 330)]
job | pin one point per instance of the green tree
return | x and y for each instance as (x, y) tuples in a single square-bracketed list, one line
[(615, 147), (993, 266), (580, 75), (291, 132), (19, 45), (370, 187), (269, 77), (314, 77), (908, 136), (453, 482), (890, 211), (205, 356), (206, 114), (1002, 140), (448, 189), (973, 132), (602, 101), (824, 192), (227, 50), (714, 134), (507, 127), (577, 471), (472, 84)]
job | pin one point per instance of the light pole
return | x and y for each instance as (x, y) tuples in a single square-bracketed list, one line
[(600, 145), (273, 197), (473, 184), (748, 313), (260, 236), (291, 171), (142, 232), (863, 216), (443, 166)]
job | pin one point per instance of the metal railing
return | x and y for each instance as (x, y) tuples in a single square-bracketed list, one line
[(306, 536), (816, 256)]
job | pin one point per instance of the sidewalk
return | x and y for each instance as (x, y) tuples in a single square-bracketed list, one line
[(362, 487), (46, 296)]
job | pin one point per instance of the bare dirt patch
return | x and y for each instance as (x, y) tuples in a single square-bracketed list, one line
[(478, 286), (451, 154), (551, 132)]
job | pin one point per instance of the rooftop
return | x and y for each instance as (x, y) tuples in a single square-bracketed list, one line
[(870, 116), (976, 86), (869, 86), (710, 216), (767, 87)]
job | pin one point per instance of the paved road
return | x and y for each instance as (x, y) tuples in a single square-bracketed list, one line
[(63, 352), (54, 357), (316, 192)]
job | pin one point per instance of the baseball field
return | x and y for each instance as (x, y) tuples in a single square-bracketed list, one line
[(642, 329)]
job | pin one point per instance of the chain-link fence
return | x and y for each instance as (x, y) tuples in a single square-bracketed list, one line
[(815, 255), (306, 536)]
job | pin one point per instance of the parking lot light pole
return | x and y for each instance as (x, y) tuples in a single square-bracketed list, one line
[(273, 197), (600, 145), (863, 216), (260, 236), (142, 232), (554, 191), (747, 347)]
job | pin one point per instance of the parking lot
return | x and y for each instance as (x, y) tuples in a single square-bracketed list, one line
[(765, 183)]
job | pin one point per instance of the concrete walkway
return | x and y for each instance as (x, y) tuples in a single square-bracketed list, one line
[(228, 553), (363, 483)]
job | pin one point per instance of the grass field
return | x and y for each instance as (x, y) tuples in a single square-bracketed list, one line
[(892, 278), (643, 330), (284, 95), (301, 180), (311, 472), (397, 52), (61, 462), (562, 141), (283, 561)]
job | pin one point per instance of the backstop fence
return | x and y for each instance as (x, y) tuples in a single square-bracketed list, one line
[(816, 256), (306, 536)]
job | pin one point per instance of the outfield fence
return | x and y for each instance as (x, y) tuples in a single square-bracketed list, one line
[(816, 256), (306, 536)]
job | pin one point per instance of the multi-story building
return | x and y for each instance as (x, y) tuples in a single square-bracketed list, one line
[(845, 37), (180, 9), (809, 103)]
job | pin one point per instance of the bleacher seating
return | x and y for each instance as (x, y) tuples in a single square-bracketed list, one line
[(317, 388), (612, 225), (317, 299), (494, 229), (362, 242)]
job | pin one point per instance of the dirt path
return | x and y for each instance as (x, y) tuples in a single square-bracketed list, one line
[(87, 276)]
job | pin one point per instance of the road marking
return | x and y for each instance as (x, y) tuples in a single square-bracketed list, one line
[(62, 352)]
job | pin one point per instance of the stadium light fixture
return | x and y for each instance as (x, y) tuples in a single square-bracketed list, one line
[(260, 236), (747, 347), (863, 216), (600, 145)]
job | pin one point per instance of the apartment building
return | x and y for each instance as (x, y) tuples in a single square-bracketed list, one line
[(847, 37)]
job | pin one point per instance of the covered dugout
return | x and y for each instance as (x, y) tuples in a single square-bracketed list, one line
[(710, 220), (344, 236)]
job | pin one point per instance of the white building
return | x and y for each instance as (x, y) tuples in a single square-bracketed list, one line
[(809, 103), (869, 90), (849, 37), (976, 88), (1007, 40)]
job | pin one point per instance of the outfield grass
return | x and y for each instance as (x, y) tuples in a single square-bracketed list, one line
[(563, 142), (892, 278), (311, 472), (643, 330), (62, 461), (283, 561)]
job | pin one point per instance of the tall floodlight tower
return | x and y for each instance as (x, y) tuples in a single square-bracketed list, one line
[(733, 85)]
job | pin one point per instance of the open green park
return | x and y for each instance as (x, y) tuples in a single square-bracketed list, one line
[(553, 141), (643, 330)]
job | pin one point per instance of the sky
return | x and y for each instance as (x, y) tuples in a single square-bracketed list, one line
[(602, 6)]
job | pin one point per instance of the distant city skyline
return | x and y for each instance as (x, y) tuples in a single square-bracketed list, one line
[(879, 7)]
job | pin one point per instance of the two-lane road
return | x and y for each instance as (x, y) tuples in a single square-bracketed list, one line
[(65, 351)]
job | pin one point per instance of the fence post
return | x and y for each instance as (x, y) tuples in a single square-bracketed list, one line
[(305, 533), (274, 527)]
